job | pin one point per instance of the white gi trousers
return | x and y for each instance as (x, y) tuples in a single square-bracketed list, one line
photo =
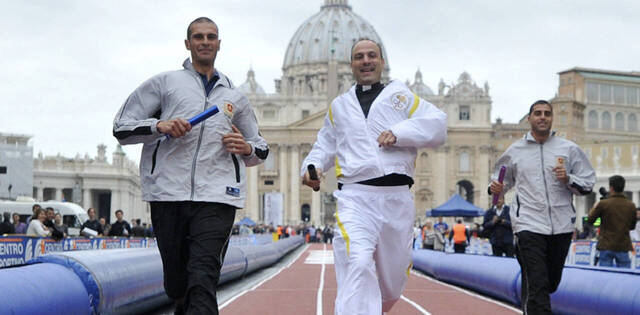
[(372, 247)]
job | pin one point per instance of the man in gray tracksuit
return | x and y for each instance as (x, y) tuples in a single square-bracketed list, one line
[(195, 179), (546, 171)]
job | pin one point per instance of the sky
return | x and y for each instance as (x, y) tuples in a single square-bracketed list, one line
[(67, 66)]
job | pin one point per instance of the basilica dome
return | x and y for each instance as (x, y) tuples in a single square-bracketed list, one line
[(251, 86), (329, 35)]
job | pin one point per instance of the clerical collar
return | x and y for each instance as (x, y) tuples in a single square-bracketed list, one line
[(365, 88)]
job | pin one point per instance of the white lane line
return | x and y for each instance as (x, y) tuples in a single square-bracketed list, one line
[(507, 306), (321, 286), (263, 281), (416, 305)]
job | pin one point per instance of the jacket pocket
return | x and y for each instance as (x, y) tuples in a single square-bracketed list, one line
[(236, 166), (153, 157)]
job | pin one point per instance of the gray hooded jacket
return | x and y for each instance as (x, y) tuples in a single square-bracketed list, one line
[(542, 203), (195, 167)]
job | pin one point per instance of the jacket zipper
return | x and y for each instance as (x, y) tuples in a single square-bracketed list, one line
[(195, 156), (518, 210), (236, 166), (546, 190), (153, 158)]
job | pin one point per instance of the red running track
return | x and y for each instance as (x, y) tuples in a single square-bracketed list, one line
[(308, 286)]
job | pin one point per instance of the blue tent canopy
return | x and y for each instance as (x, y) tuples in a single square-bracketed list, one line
[(246, 221), (455, 207)]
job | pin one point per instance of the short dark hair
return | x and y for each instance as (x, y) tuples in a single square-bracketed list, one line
[(617, 183), (50, 209), (540, 102), (361, 39), (35, 206), (119, 211), (202, 19)]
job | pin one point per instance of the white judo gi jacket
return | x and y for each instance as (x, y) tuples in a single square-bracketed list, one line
[(348, 140)]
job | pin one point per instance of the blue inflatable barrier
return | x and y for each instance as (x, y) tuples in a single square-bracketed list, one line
[(42, 289), (493, 276), (583, 290), (116, 280), (112, 281)]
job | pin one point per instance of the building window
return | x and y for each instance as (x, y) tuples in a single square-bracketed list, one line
[(606, 121), (632, 122), (587, 152), (619, 122), (618, 94), (268, 182), (605, 93), (592, 92), (464, 163), (269, 114), (305, 114), (604, 152), (632, 96), (465, 112), (593, 120)]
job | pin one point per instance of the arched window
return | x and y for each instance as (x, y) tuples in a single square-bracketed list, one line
[(424, 162), (593, 120), (632, 124), (619, 122), (464, 164), (465, 190), (606, 120)]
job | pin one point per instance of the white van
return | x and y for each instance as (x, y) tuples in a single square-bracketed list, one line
[(72, 214)]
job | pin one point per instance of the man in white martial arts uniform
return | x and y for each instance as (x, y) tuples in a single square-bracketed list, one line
[(371, 135)]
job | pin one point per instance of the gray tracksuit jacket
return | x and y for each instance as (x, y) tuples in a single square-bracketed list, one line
[(195, 167), (542, 203)]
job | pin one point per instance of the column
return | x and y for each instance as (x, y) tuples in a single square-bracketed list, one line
[(316, 207), (58, 194), (484, 169), (40, 194), (440, 171), (252, 203), (115, 204), (294, 203), (282, 172), (636, 197), (86, 198)]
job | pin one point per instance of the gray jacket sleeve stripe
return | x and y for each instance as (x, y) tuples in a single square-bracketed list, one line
[(135, 121), (582, 177)]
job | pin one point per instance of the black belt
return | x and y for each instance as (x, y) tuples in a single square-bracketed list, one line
[(393, 179)]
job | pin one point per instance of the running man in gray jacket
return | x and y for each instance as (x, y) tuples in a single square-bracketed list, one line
[(546, 171), (194, 180)]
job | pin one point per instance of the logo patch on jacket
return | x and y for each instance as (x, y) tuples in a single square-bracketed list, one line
[(399, 101), (233, 191), (227, 108)]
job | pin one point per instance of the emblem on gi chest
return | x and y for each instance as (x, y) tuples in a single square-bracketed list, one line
[(399, 101)]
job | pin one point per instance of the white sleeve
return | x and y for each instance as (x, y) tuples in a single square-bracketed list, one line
[(323, 152), (425, 127)]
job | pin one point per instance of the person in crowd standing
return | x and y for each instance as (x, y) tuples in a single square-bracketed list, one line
[(618, 217), (429, 236), (371, 135), (20, 227), (546, 170), (106, 227), (497, 227), (460, 236), (120, 227), (51, 215), (93, 223), (635, 233), (59, 225), (137, 229), (34, 209), (6, 227), (441, 226), (36, 226), (195, 180)]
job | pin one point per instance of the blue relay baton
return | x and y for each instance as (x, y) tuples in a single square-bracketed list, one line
[(202, 116)]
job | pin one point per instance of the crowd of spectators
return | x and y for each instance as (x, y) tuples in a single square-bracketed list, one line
[(310, 233), (47, 222)]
